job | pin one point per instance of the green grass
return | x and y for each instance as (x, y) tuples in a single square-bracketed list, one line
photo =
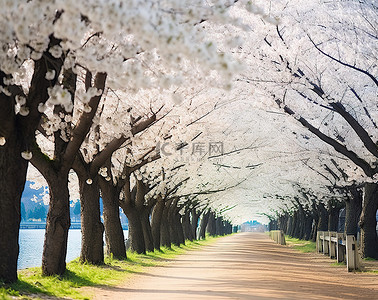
[(301, 245), (370, 259), (113, 272), (5, 293), (338, 264)]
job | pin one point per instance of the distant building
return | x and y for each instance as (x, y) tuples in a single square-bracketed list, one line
[(253, 226)]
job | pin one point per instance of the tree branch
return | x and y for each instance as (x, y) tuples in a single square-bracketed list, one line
[(361, 132), (369, 171), (343, 63), (84, 124)]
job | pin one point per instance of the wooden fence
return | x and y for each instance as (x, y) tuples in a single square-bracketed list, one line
[(278, 236), (339, 246)]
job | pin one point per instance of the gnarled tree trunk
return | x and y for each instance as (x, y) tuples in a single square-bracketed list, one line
[(115, 240), (136, 237), (19, 134), (57, 225)]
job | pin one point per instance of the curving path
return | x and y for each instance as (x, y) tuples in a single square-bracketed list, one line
[(246, 266)]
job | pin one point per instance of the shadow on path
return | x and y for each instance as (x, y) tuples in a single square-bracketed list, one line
[(246, 266)]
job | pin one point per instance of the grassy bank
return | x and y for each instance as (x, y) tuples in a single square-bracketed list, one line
[(301, 245), (31, 282)]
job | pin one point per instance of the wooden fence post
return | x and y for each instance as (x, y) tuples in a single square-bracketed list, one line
[(351, 253)]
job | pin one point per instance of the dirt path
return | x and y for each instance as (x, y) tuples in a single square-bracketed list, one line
[(246, 266)]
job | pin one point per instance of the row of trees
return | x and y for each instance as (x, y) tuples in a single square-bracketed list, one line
[(74, 83), (84, 87), (306, 216), (320, 77)]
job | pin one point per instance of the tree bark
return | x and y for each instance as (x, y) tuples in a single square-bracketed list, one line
[(219, 227), (57, 225), (115, 240), (164, 228), (368, 223), (146, 227), (323, 218), (12, 181), (136, 237), (92, 229), (174, 223), (353, 208), (179, 227), (203, 225), (211, 227), (333, 215), (308, 227), (290, 224), (138, 214), (188, 233), (157, 215), (19, 134)]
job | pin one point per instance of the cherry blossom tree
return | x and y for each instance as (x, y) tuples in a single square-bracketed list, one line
[(46, 44), (322, 67)]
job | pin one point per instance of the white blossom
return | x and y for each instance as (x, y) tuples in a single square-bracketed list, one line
[(50, 75), (27, 155)]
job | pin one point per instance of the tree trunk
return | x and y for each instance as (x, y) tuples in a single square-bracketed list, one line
[(314, 231), (297, 224), (219, 226), (302, 222), (136, 237), (19, 134), (308, 227), (115, 240), (146, 227), (57, 226), (353, 207), (164, 228), (333, 216), (157, 215), (211, 227), (188, 233), (290, 221), (194, 222), (179, 228), (323, 218), (92, 230), (368, 223), (12, 181), (203, 225), (173, 224)]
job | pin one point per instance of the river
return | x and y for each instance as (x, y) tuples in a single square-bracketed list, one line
[(31, 246)]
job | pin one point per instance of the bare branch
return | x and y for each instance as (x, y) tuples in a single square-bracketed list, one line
[(343, 63)]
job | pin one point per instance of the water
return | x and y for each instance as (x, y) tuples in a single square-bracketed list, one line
[(31, 246)]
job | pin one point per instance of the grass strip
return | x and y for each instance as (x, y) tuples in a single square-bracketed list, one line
[(32, 284), (301, 245)]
